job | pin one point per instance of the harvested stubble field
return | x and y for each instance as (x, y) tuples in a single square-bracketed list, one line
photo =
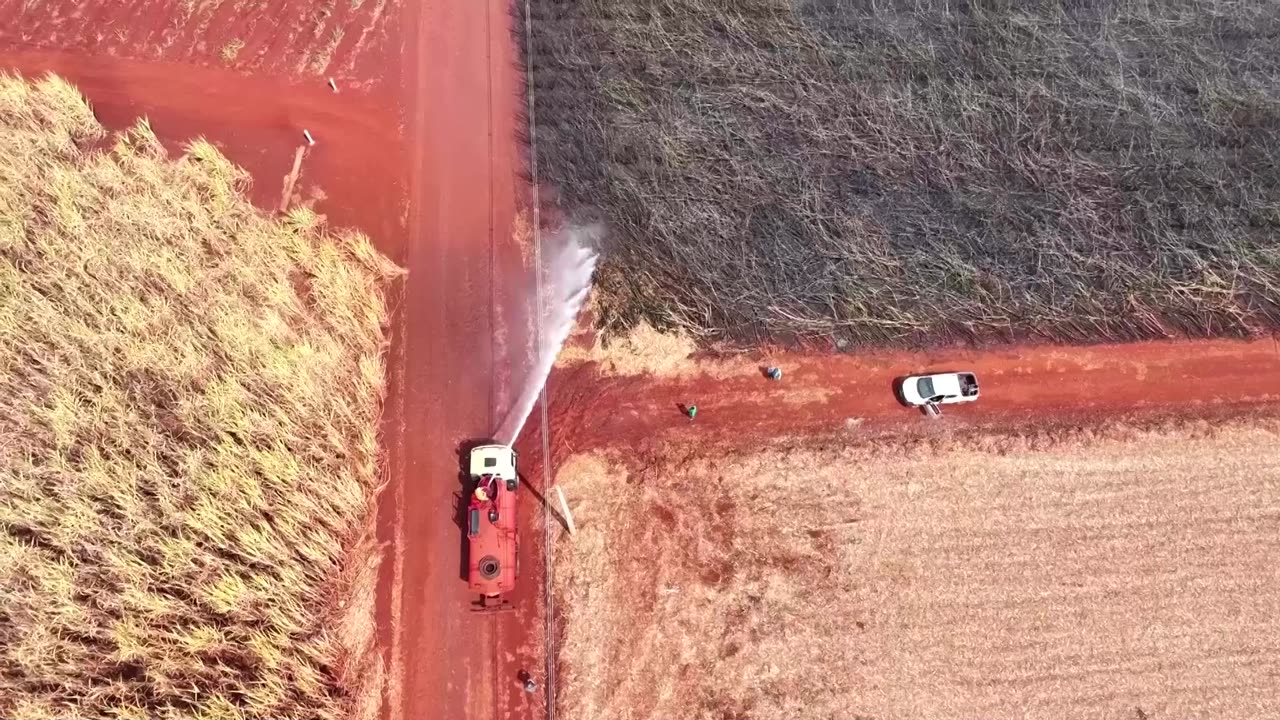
[(188, 450), (1122, 574), (901, 171), (346, 39)]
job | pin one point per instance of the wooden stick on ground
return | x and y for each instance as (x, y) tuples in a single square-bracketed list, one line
[(292, 178), (564, 508)]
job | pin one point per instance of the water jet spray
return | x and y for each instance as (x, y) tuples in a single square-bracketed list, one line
[(570, 263)]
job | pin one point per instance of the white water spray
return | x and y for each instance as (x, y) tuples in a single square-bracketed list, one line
[(570, 262)]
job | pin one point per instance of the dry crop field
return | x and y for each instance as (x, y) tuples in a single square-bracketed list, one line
[(188, 450), (1116, 574), (904, 171), (346, 39)]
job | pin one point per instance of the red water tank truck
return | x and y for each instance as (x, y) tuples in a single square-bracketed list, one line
[(492, 542)]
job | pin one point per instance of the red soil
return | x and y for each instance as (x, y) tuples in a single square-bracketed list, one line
[(1022, 387), (460, 327)]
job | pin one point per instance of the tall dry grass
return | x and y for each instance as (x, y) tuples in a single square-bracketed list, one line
[(189, 402)]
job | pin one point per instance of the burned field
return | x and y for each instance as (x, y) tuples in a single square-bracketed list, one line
[(1113, 574), (907, 172)]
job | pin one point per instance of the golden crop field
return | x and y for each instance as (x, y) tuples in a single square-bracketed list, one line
[(1129, 575), (189, 403)]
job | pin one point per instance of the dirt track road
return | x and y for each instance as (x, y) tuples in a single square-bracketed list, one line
[(461, 95), (1021, 387)]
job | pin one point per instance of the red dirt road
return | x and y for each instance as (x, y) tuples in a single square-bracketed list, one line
[(824, 394), (462, 101)]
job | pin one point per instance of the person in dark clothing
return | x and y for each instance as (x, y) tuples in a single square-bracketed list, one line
[(527, 682)]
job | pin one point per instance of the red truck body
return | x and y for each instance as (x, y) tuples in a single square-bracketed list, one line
[(492, 541)]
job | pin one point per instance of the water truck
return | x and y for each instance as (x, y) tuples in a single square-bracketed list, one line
[(493, 548)]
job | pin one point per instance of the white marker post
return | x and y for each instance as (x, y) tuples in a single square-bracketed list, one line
[(568, 516), (307, 134), (333, 85)]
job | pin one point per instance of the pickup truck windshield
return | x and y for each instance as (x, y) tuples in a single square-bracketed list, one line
[(924, 386)]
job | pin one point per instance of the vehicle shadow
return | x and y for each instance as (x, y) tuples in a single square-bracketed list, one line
[(544, 501), (895, 387)]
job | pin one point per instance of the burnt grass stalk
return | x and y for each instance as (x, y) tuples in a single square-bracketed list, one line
[(919, 172)]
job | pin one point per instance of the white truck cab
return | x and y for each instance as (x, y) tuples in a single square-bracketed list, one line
[(496, 460)]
